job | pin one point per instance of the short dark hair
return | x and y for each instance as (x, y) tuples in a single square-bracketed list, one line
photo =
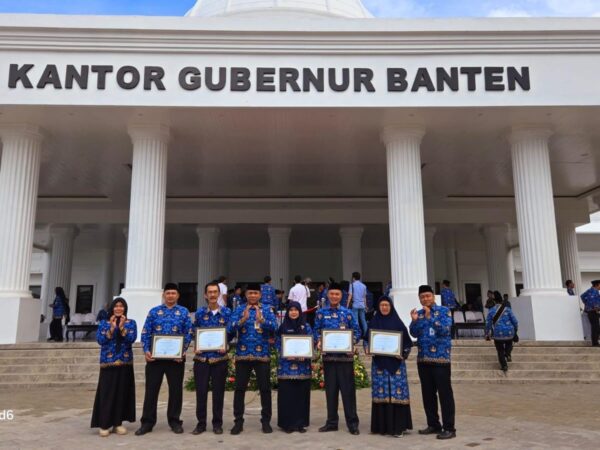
[(211, 283), (171, 287), (278, 291), (568, 282), (356, 275), (446, 282), (297, 278), (222, 278), (267, 279)]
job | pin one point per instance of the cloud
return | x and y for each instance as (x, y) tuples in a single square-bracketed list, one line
[(508, 12), (396, 8)]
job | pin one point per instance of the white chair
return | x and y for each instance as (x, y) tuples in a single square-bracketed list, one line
[(459, 317), (475, 317)]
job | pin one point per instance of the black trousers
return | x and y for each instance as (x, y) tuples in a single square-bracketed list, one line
[(154, 375), (504, 349), (215, 374), (436, 382), (56, 329), (594, 318), (243, 369), (339, 377)]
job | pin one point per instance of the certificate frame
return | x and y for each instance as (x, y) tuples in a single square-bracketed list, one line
[(324, 335), (199, 331), (398, 335), (291, 337), (178, 355)]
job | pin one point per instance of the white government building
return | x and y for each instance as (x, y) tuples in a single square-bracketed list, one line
[(278, 137)]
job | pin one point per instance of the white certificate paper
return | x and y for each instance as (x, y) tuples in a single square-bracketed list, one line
[(385, 343), (337, 341), (211, 339), (167, 347), (296, 346)]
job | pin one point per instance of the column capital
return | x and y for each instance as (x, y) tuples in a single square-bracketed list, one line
[(8, 131), (63, 230), (351, 231), (149, 131), (276, 230), (392, 133), (203, 231), (520, 133)]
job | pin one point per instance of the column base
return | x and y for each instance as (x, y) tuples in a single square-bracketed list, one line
[(405, 300), (139, 303), (548, 317), (20, 319)]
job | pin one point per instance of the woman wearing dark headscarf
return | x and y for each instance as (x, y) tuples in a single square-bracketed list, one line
[(115, 396), (60, 307), (294, 375), (390, 412)]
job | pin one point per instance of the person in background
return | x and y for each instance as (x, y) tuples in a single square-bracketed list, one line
[(321, 294), (591, 300), (59, 310), (115, 395), (267, 294), (357, 298), (501, 325), (237, 298), (498, 298), (299, 293), (490, 302), (570, 287), (345, 284), (280, 300), (223, 289), (103, 313)]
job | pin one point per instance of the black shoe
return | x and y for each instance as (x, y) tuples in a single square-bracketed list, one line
[(447, 435), (218, 430), (354, 431), (301, 430), (142, 431), (177, 429), (50, 339), (266, 428), (508, 358), (430, 430), (326, 428), (198, 430), (504, 369), (237, 428), (288, 430)]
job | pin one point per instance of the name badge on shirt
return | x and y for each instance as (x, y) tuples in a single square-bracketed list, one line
[(431, 332)]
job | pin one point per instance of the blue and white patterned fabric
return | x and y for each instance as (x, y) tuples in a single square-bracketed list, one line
[(162, 320), (110, 355), (252, 342), (268, 296), (505, 327), (299, 369), (448, 298), (339, 318), (58, 308), (204, 318), (591, 299), (389, 388), (433, 335)]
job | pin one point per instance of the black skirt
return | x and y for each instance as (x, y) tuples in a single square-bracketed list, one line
[(391, 419), (115, 397), (293, 404)]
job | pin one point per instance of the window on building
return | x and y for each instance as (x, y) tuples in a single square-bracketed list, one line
[(84, 299), (188, 296), (36, 291)]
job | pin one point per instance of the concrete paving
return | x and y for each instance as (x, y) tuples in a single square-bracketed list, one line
[(488, 416)]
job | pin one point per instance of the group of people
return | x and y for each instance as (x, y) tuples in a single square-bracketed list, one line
[(253, 327)]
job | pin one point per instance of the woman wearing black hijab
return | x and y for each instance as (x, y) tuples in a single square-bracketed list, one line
[(294, 376), (115, 396), (390, 412)]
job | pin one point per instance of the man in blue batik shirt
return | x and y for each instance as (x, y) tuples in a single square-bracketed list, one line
[(253, 323), (267, 294), (431, 327), (166, 319), (591, 300)]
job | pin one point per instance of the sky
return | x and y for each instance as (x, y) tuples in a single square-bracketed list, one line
[(380, 8)]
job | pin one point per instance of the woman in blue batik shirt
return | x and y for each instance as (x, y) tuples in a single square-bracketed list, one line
[(115, 396), (390, 410), (294, 375)]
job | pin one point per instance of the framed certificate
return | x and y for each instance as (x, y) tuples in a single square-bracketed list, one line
[(385, 343), (211, 339), (337, 341), (167, 346), (296, 346)]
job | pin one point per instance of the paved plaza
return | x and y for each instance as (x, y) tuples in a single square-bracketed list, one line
[(489, 416)]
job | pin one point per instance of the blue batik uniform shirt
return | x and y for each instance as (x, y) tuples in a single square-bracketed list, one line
[(253, 341), (110, 355), (506, 325), (267, 296), (448, 298), (206, 319), (339, 318), (58, 308), (591, 299), (162, 320), (433, 335), (298, 369)]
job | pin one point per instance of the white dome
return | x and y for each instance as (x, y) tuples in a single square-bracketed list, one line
[(352, 9)]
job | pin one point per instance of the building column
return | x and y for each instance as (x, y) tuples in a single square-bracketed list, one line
[(279, 257), (547, 312), (19, 176), (351, 251), (406, 217), (451, 264), (61, 260), (208, 258), (497, 253), (146, 229), (430, 250), (569, 255)]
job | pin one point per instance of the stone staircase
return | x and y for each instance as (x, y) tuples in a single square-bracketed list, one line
[(474, 361)]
